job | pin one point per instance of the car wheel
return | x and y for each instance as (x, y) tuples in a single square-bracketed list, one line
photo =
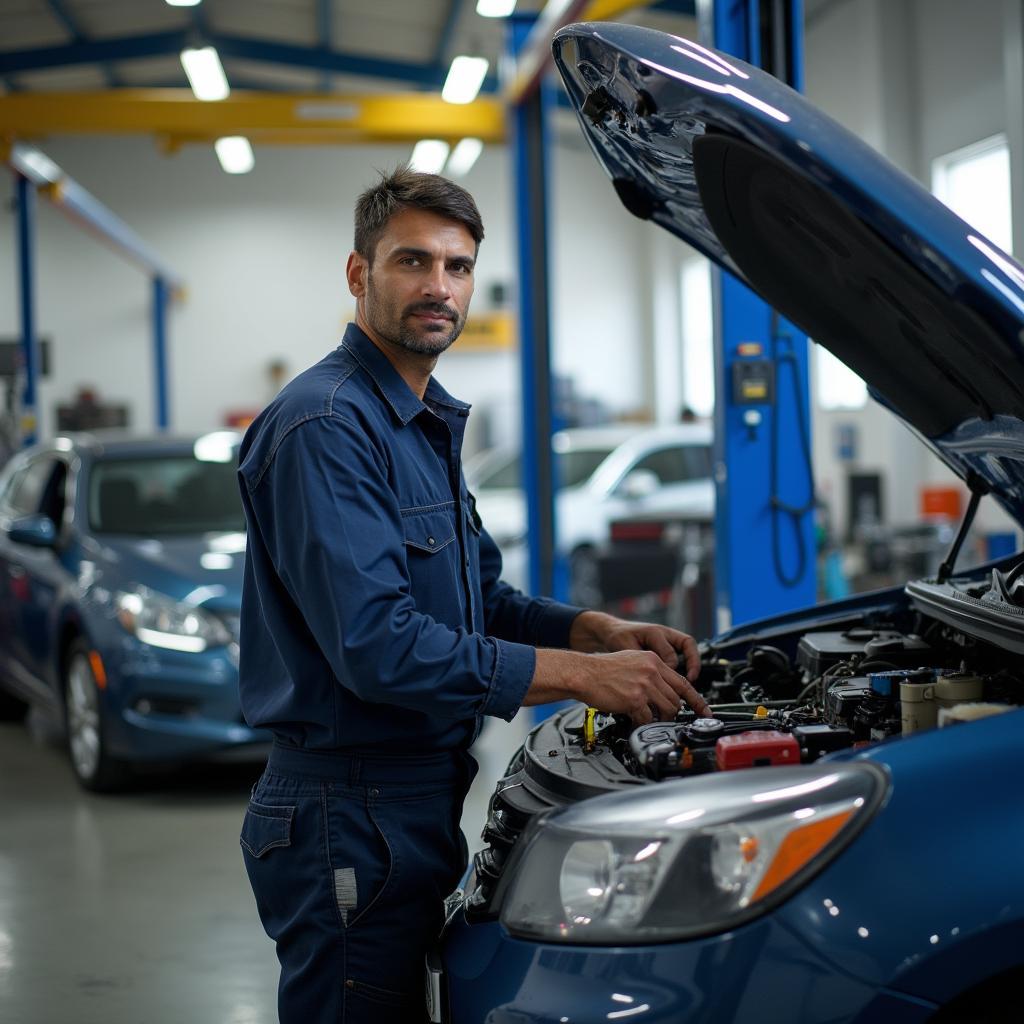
[(11, 709), (93, 767), (585, 579)]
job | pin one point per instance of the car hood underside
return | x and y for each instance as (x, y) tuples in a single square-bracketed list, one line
[(834, 237)]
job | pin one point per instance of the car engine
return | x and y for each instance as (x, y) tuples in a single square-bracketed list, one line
[(784, 697), (843, 688)]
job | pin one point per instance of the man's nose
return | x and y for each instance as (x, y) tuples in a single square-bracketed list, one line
[(436, 284)]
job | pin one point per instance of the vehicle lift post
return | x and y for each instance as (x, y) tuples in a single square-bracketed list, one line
[(529, 122), (25, 199), (765, 558), (33, 171)]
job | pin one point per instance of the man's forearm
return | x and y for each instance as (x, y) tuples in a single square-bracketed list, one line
[(558, 675), (589, 631)]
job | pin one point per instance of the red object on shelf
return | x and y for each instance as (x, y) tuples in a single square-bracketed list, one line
[(941, 502), (239, 419), (755, 748)]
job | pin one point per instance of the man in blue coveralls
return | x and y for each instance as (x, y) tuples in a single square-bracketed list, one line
[(376, 632)]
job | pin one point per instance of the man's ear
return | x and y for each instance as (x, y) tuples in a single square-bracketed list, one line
[(356, 271)]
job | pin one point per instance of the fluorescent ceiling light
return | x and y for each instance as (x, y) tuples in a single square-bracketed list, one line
[(183, 3), (495, 8), (463, 157), (235, 154), (465, 77), (205, 73), (429, 155)]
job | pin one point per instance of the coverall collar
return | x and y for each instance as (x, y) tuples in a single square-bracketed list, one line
[(396, 392)]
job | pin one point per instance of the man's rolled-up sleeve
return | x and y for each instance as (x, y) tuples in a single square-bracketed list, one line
[(333, 529)]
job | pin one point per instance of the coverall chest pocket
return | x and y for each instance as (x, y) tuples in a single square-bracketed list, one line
[(432, 555)]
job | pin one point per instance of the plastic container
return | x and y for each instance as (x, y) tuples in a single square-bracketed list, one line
[(956, 689), (917, 703)]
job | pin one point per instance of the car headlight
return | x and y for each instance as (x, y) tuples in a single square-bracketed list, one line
[(684, 858), (163, 622)]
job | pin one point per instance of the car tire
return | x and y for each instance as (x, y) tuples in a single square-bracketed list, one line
[(585, 579), (11, 708), (95, 770)]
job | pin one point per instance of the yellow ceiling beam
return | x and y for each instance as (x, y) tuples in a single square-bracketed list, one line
[(264, 118), (606, 10)]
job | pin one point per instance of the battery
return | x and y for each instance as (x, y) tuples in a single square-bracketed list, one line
[(753, 749), (818, 739)]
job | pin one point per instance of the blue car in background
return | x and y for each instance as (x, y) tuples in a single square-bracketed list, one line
[(120, 584), (843, 840)]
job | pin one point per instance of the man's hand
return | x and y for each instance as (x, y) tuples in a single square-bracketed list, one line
[(595, 631), (635, 683)]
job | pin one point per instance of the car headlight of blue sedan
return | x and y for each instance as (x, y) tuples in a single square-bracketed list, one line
[(163, 622), (684, 860)]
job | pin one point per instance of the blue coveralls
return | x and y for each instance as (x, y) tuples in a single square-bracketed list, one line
[(375, 634)]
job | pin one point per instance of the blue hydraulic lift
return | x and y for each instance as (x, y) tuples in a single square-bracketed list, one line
[(34, 170), (531, 98), (765, 556), (764, 520)]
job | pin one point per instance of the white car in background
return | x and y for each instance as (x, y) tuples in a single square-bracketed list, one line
[(604, 474)]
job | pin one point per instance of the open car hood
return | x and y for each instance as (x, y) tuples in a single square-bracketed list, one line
[(832, 235)]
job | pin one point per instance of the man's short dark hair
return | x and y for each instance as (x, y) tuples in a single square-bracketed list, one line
[(406, 189)]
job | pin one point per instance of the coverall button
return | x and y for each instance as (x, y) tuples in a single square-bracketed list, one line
[(430, 540), (375, 791), (349, 983)]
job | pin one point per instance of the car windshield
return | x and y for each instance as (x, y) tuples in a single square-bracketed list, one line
[(164, 494), (574, 468)]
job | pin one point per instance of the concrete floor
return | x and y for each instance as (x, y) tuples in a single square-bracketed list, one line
[(136, 907)]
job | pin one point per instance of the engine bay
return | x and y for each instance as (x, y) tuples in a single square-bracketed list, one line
[(842, 689), (790, 691), (779, 695)]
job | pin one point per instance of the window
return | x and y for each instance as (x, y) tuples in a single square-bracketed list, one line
[(836, 385), (678, 465), (504, 476), (974, 182), (175, 494), (27, 490), (698, 337)]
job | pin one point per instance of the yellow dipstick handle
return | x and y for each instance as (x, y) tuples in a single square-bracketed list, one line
[(589, 736)]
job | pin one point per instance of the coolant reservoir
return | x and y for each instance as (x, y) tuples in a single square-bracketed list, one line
[(917, 700), (957, 688)]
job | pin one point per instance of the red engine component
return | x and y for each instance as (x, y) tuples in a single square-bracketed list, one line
[(755, 748)]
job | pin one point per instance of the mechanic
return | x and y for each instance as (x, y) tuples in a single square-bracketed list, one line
[(376, 633)]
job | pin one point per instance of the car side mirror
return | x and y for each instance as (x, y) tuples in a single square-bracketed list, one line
[(641, 483), (37, 531)]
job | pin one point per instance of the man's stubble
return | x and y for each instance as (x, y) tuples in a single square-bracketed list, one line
[(396, 328)]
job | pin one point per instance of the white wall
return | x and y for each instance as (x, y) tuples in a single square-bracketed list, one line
[(264, 254)]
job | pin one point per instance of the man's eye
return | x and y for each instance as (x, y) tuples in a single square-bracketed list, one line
[(462, 268), (409, 261)]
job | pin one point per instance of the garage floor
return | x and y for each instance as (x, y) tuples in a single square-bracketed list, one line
[(116, 910)]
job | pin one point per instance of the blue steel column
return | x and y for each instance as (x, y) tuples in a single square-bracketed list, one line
[(529, 122), (765, 556), (160, 297), (25, 198)]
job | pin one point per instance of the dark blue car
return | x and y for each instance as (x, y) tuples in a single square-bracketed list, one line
[(843, 841), (120, 583)]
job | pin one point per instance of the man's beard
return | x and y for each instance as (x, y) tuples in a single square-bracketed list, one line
[(400, 330)]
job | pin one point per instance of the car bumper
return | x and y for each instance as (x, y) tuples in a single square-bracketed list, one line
[(169, 705), (760, 972)]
